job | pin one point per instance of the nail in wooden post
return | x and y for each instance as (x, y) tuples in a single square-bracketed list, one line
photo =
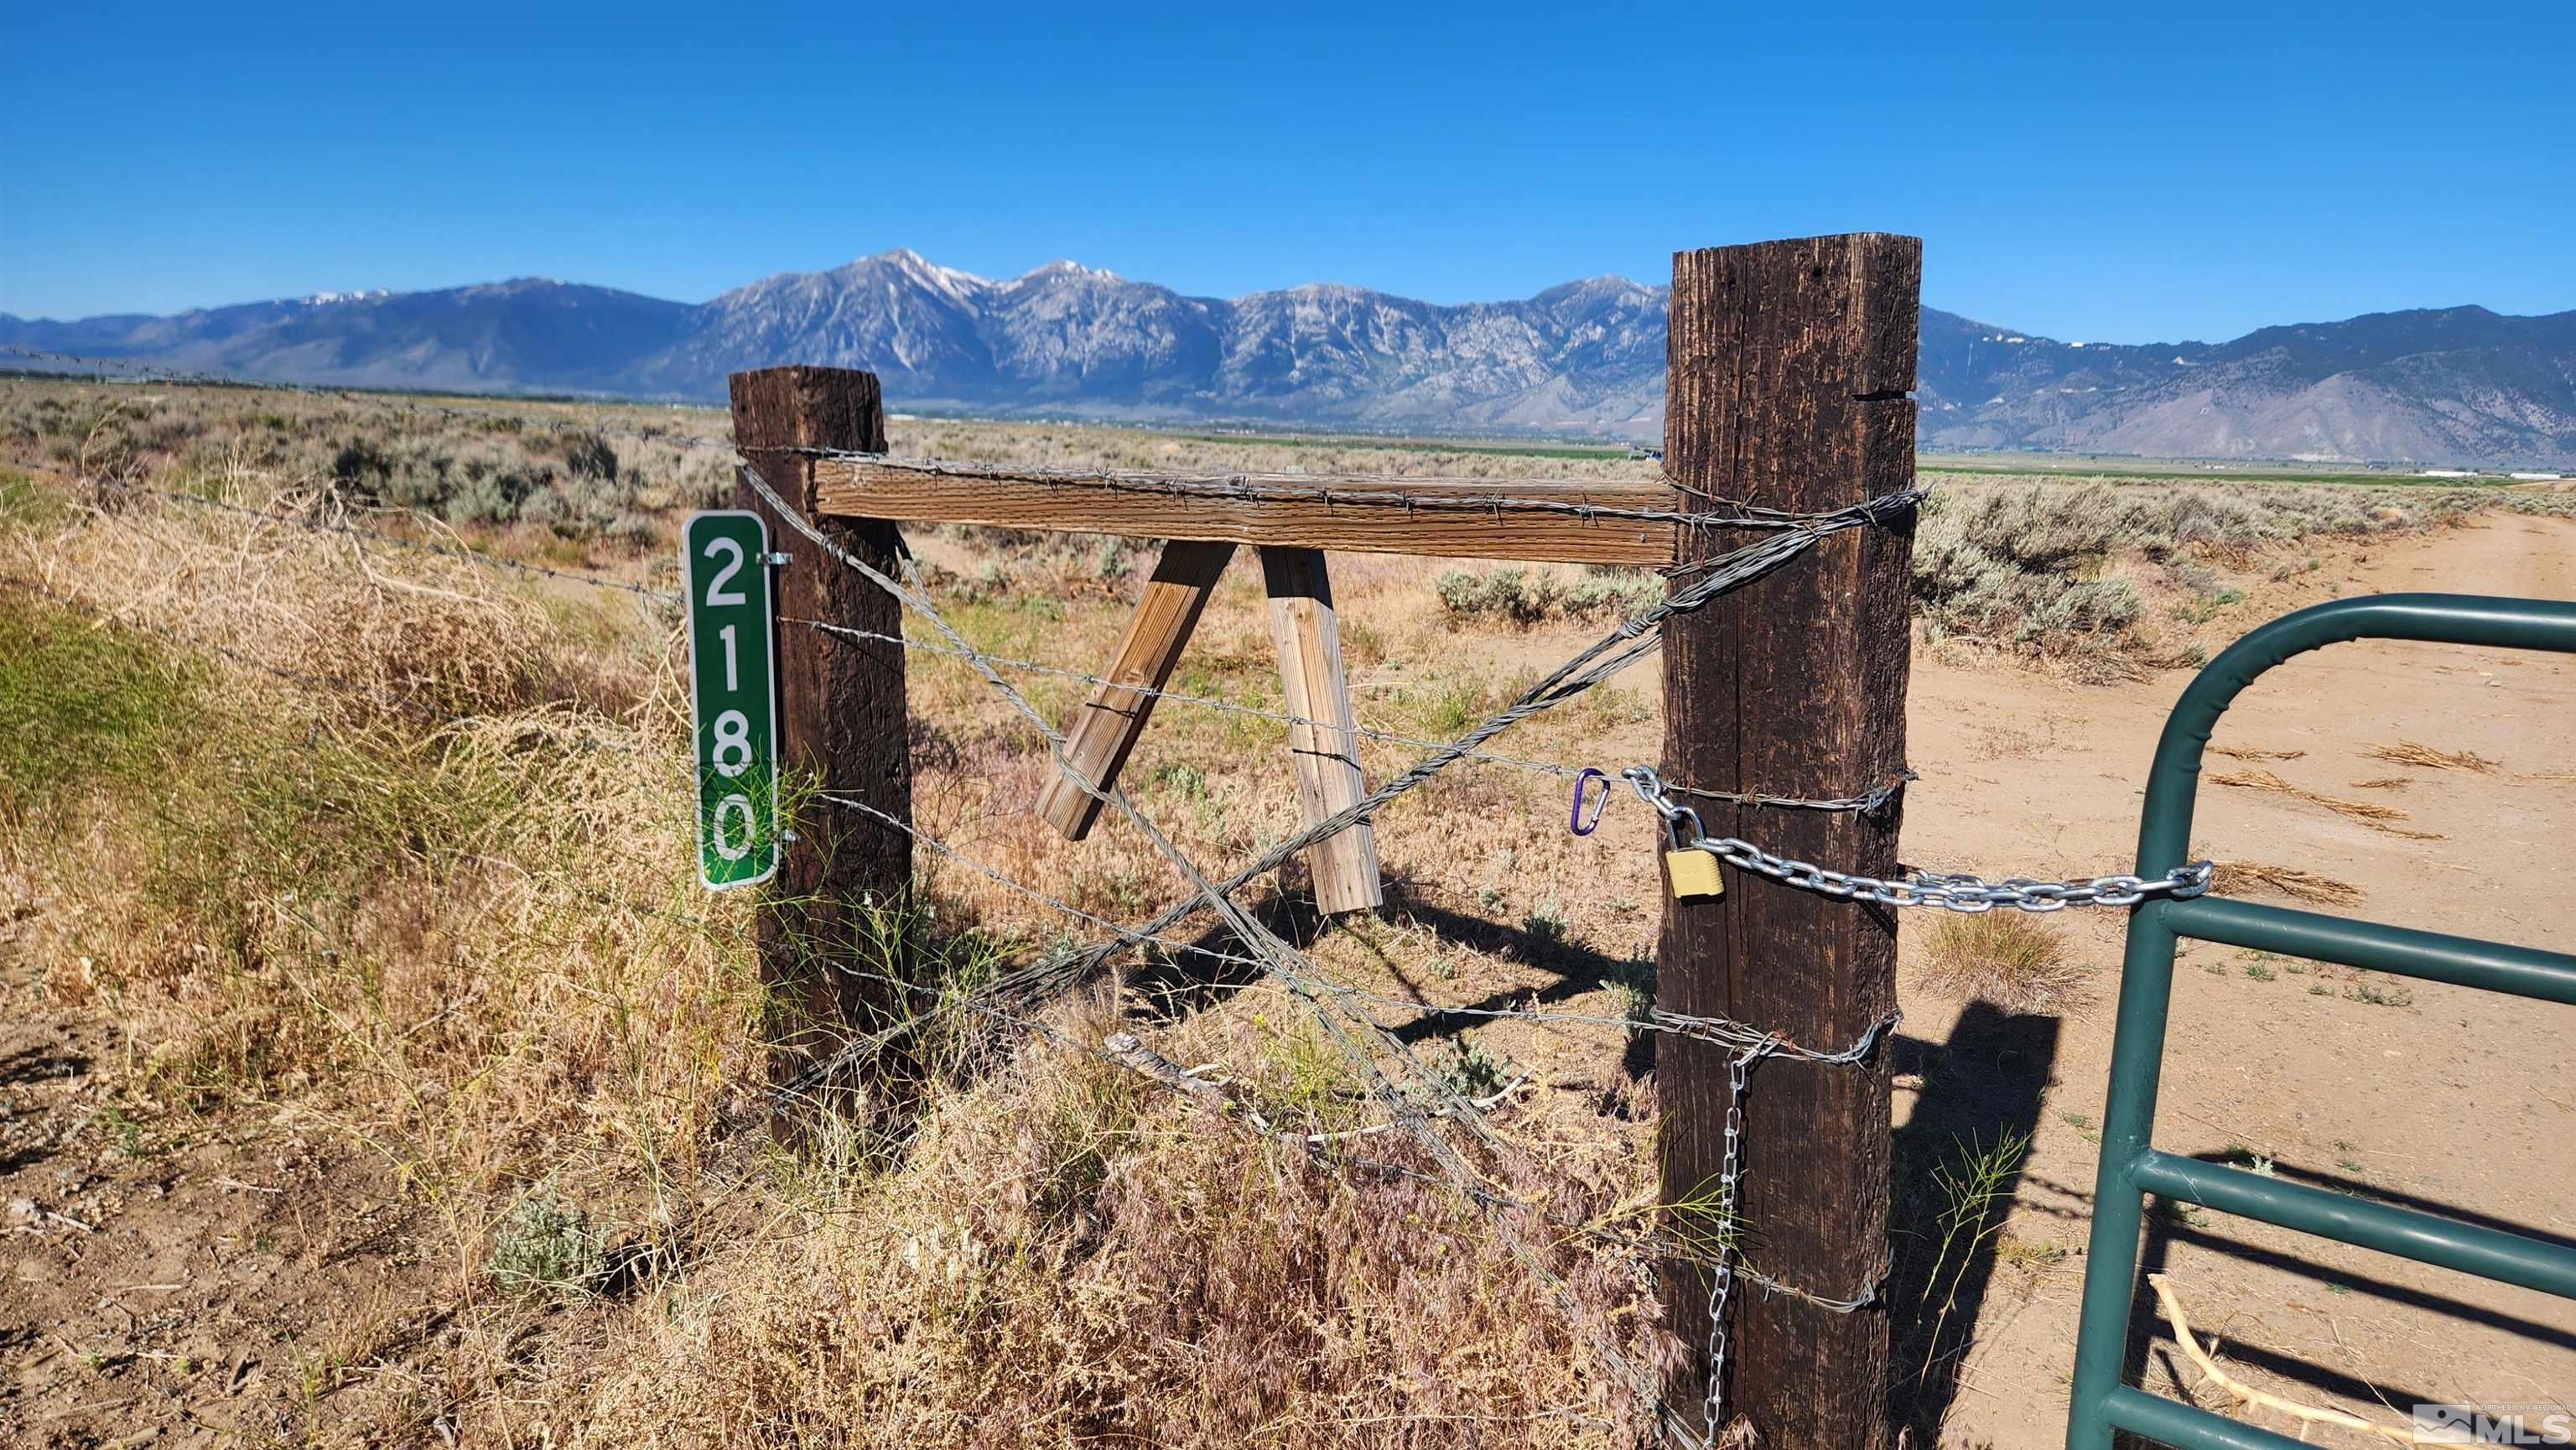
[(840, 721), (1786, 386), (1344, 865), (1100, 737)]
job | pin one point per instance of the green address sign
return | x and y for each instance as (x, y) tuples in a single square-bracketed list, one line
[(733, 712)]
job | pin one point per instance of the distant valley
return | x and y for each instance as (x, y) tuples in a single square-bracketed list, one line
[(2450, 386)]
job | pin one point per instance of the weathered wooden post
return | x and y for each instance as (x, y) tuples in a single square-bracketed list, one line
[(1787, 386), (840, 721), (1325, 755), (1098, 738)]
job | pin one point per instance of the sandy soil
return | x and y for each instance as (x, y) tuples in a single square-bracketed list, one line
[(210, 1285), (2457, 1100), (245, 1282)]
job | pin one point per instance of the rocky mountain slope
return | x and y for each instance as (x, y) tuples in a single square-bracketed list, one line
[(2453, 385)]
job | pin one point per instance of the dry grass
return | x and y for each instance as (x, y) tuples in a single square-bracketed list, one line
[(472, 947), (2238, 878), (426, 897), (2247, 752), (2408, 752), (2264, 780), (2010, 958), (1070, 1254), (561, 485)]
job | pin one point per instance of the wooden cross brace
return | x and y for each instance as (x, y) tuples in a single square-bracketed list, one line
[(1325, 754)]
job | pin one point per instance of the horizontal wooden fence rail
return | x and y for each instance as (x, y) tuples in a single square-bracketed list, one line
[(1789, 368), (1471, 518)]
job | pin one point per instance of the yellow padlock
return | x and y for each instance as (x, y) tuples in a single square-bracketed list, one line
[(1693, 875)]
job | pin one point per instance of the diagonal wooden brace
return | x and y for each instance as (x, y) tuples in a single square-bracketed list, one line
[(1327, 758), (1107, 728)]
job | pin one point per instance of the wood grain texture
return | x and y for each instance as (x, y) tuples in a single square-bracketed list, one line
[(1786, 386), (1109, 724), (841, 716), (860, 489), (1344, 865)]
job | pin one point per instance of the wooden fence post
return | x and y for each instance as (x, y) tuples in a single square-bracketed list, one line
[(1326, 755), (841, 719), (1786, 386), (1097, 740)]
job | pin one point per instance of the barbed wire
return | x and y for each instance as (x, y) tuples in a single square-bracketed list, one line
[(1282, 961), (1630, 641), (1719, 1030), (1870, 801), (1105, 1052), (942, 848), (1956, 891), (1866, 803), (1723, 1031), (1128, 1050), (1397, 491), (1736, 1036), (1423, 1096)]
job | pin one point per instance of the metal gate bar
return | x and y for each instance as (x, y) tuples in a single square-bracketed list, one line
[(2132, 1167)]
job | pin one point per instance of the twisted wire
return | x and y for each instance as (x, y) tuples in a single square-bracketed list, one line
[(1620, 647), (1869, 801), (1355, 489), (1285, 962)]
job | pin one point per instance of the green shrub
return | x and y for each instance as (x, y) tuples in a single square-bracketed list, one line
[(1619, 592), (2022, 567), (1471, 1071), (587, 455), (490, 495), (82, 704), (1524, 596), (546, 1249), (361, 469)]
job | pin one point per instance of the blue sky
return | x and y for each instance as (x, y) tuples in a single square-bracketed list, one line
[(2124, 173)]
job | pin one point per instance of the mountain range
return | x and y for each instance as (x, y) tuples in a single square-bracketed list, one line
[(2456, 385)]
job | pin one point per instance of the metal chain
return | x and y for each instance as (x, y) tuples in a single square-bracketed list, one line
[(1739, 1070), (1283, 961), (1953, 891), (1286, 964)]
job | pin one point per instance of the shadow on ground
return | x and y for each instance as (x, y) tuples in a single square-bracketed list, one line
[(1981, 1093)]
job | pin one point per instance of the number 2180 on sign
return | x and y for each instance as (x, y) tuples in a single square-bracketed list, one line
[(724, 559)]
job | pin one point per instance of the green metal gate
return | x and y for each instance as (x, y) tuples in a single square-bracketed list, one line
[(2133, 1167)]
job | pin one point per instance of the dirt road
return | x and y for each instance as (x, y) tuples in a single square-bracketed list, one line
[(2415, 1093)]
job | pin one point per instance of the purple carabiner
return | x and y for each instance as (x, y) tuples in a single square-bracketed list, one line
[(1580, 826)]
